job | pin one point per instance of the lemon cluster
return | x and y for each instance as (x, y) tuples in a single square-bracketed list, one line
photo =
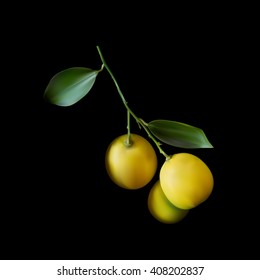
[(185, 181)]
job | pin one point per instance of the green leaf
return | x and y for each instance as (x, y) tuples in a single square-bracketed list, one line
[(69, 86), (179, 134)]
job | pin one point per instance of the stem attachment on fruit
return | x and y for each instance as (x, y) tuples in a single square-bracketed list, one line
[(128, 140)]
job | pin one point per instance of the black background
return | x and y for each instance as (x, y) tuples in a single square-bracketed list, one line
[(57, 201)]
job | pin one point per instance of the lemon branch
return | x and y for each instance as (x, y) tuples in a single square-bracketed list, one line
[(129, 111)]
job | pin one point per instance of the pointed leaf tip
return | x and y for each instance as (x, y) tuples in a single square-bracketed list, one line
[(179, 134), (70, 85)]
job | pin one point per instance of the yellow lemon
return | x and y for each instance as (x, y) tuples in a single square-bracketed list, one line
[(161, 208), (186, 180), (131, 167)]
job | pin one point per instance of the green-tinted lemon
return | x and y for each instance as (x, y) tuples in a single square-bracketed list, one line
[(161, 208)]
